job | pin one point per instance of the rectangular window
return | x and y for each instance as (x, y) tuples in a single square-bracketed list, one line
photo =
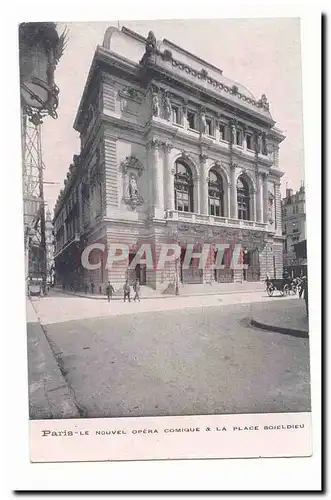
[(209, 127), (175, 114), (222, 132), (238, 138), (249, 141), (191, 120)]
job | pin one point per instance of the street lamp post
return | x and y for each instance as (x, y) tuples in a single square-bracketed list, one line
[(176, 277)]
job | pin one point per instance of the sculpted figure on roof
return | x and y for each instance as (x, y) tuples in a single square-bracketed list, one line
[(150, 43)]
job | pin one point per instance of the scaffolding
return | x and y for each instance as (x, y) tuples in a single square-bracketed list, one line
[(33, 201)]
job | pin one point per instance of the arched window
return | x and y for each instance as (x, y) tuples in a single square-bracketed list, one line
[(183, 187), (215, 193), (243, 199)]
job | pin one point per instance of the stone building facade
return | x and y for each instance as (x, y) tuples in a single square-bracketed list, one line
[(171, 151), (294, 228)]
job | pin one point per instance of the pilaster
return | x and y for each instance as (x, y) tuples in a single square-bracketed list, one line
[(259, 198), (204, 185), (169, 171), (265, 197), (156, 170), (233, 197)]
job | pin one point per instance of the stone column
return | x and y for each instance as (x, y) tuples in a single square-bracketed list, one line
[(196, 193), (253, 204), (184, 115), (259, 198), (234, 205), (244, 144), (265, 197), (228, 205), (157, 195), (169, 189), (204, 185)]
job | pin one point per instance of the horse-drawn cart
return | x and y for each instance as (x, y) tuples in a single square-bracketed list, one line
[(282, 285)]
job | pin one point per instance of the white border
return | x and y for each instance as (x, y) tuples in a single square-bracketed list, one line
[(225, 474)]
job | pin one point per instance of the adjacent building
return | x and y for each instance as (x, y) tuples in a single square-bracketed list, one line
[(49, 239), (171, 151), (294, 230)]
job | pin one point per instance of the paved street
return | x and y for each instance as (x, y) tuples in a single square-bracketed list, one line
[(177, 356)]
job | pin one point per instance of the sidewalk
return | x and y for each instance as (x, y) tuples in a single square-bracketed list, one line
[(292, 321), (188, 290), (49, 393)]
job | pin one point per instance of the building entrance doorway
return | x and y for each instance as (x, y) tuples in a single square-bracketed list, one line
[(136, 273), (141, 273)]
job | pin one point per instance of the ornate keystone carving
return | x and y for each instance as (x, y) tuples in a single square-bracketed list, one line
[(203, 158)]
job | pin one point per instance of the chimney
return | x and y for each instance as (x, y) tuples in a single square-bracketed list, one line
[(289, 193)]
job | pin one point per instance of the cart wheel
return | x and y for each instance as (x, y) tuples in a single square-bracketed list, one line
[(286, 290), (270, 291)]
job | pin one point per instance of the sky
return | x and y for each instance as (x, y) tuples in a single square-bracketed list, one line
[(264, 55)]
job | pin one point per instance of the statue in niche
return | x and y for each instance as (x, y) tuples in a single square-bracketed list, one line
[(167, 106), (155, 104), (258, 143), (132, 197), (233, 133), (270, 207), (133, 188)]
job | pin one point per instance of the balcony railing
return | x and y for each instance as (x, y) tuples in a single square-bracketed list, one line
[(176, 215)]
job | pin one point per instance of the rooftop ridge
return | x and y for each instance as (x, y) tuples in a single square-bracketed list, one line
[(197, 58)]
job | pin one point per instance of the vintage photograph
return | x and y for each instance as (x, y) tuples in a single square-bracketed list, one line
[(164, 218)]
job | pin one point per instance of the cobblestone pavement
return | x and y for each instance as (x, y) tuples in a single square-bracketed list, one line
[(185, 360)]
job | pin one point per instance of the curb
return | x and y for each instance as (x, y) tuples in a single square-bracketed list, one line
[(165, 296), (50, 396), (279, 329)]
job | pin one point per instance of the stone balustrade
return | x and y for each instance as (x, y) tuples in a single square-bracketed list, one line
[(214, 220)]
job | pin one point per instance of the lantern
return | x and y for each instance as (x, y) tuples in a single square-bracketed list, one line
[(40, 50)]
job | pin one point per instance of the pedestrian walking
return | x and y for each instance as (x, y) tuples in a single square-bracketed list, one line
[(136, 288), (92, 287), (109, 290), (126, 290)]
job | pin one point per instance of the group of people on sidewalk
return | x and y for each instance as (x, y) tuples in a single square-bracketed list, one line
[(127, 289)]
